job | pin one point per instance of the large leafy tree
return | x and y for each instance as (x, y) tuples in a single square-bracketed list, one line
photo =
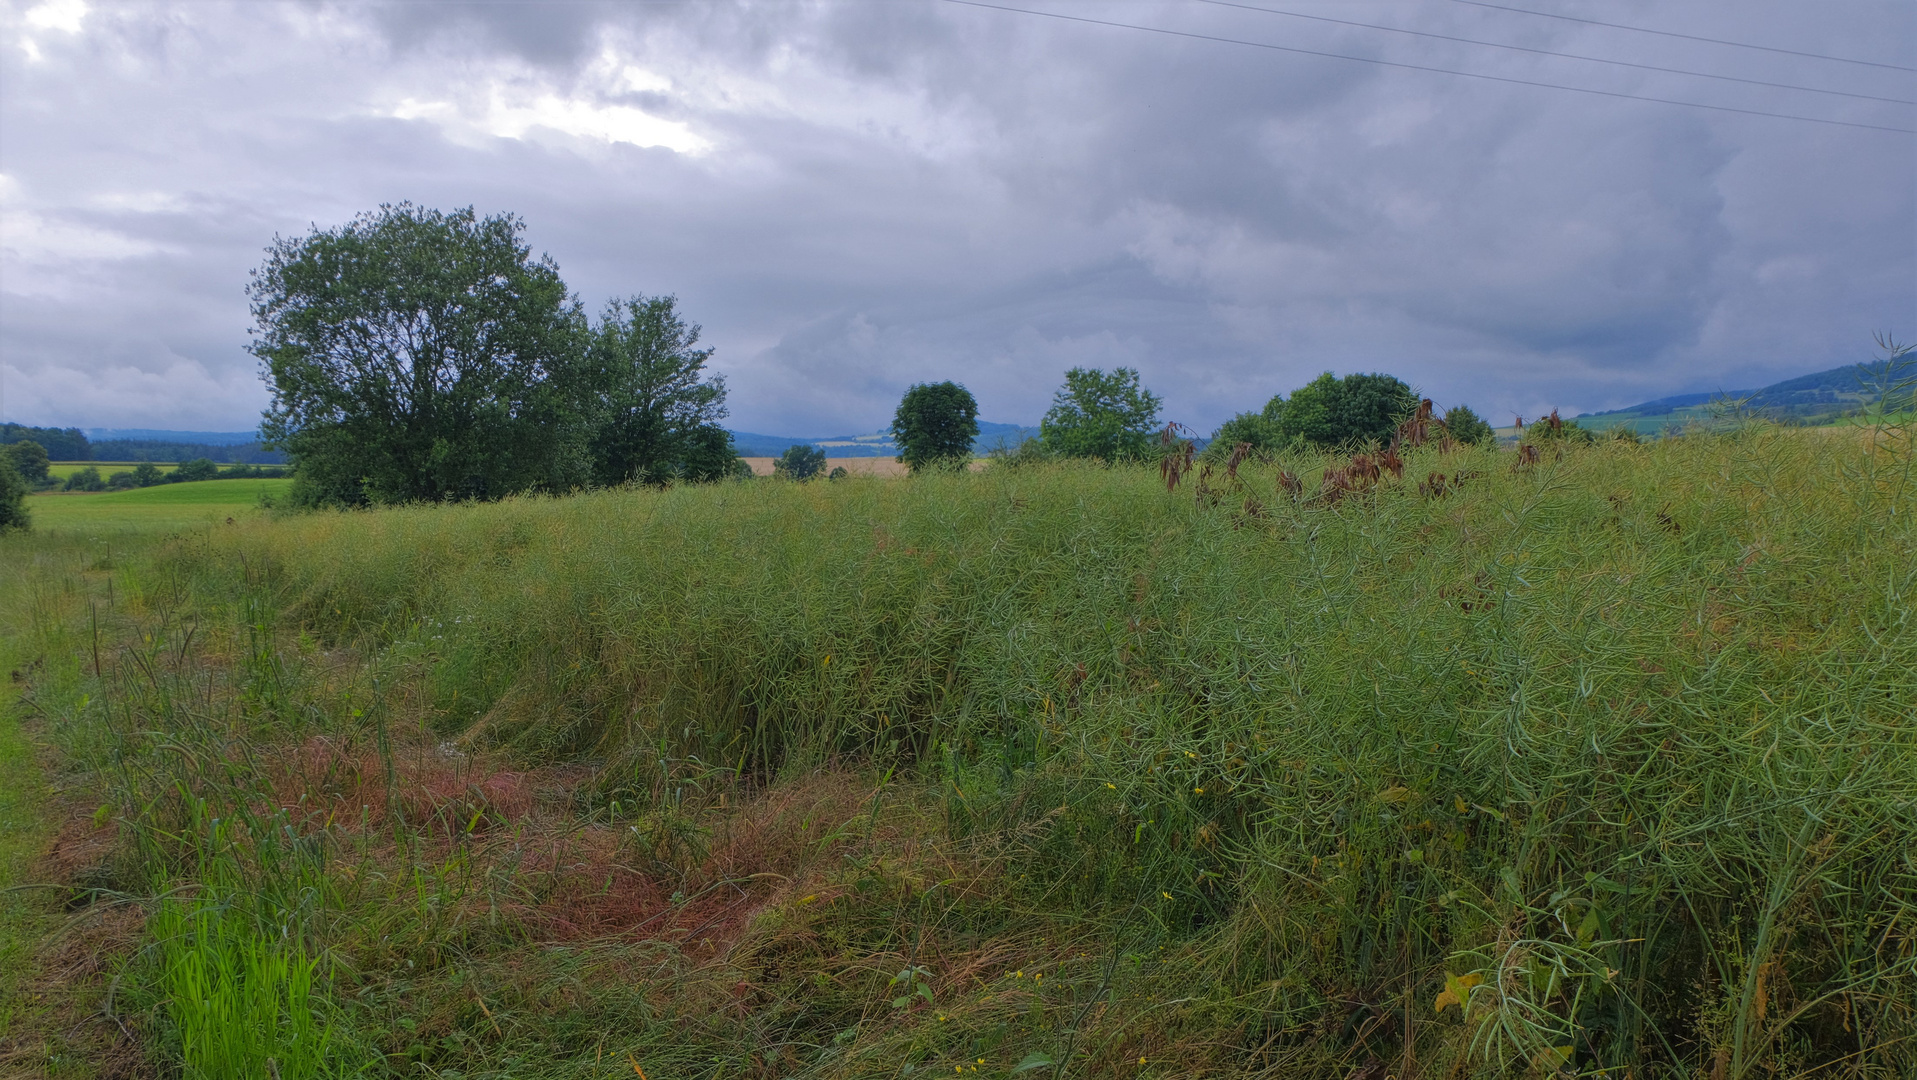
[(935, 423), (419, 355), (1250, 428), (654, 411), (1101, 415), (1331, 412)]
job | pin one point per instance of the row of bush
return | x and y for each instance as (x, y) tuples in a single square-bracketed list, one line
[(147, 474)]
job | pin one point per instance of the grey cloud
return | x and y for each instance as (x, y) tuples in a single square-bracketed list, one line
[(897, 192)]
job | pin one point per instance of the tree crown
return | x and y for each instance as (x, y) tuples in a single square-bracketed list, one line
[(653, 410), (13, 498), (1467, 426), (1102, 415), (30, 460), (935, 422), (801, 462), (415, 354), (1331, 412)]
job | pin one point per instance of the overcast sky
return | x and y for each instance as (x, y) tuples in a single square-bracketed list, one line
[(855, 196)]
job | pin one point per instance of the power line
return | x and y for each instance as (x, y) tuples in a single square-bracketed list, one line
[(1423, 67), (1549, 52), (1686, 37)]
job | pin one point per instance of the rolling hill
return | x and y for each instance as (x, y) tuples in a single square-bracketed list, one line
[(1818, 398)]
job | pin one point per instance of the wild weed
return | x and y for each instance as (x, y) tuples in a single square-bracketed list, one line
[(1603, 763)]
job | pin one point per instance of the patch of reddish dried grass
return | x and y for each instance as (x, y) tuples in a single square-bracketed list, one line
[(440, 791), (61, 1000)]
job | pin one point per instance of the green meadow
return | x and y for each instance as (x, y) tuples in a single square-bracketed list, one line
[(164, 507), (1600, 766)]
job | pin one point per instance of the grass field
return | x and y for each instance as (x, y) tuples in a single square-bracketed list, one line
[(1605, 766), (23, 829), (170, 506)]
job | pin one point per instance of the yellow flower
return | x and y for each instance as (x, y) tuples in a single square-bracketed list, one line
[(1198, 791), (1166, 895), (1114, 787)]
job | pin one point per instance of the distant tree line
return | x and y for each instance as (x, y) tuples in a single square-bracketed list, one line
[(1111, 416), (61, 444), (251, 453), (71, 444)]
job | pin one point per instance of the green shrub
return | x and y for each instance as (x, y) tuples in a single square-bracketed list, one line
[(1553, 429), (29, 459), (197, 469), (799, 463), (1024, 453), (1467, 427), (87, 479), (14, 514), (1250, 428)]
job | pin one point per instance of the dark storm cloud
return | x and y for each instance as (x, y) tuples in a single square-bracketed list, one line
[(855, 196)]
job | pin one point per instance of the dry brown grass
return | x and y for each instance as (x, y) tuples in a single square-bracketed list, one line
[(857, 466)]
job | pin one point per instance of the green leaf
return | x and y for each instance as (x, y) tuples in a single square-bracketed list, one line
[(1588, 929), (1037, 1059)]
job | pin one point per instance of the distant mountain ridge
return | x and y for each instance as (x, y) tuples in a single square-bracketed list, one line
[(875, 444), (1807, 399)]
